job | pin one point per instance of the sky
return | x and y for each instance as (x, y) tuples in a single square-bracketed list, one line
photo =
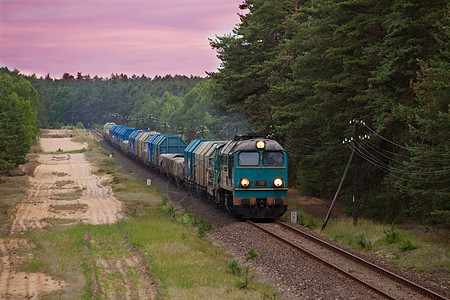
[(101, 37)]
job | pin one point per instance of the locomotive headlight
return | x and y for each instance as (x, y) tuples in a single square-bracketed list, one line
[(260, 144), (245, 182), (278, 182)]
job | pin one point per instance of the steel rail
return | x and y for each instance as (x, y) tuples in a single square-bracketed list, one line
[(422, 290), (328, 264)]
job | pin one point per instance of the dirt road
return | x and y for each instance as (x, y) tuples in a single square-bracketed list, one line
[(62, 189)]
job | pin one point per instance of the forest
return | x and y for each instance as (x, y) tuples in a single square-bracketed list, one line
[(169, 104), (304, 69), (19, 126), (300, 72)]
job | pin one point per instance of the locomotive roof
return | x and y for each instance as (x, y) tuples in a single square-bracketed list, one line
[(248, 143)]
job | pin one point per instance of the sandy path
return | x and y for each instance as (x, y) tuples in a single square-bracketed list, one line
[(21, 285), (61, 144), (63, 188)]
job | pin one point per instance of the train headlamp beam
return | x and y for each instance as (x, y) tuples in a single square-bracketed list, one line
[(278, 182), (245, 182), (260, 144)]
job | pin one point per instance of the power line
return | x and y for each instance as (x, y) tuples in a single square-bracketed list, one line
[(387, 169), (372, 146), (405, 148), (402, 163)]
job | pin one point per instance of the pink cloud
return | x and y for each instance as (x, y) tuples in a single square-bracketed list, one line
[(102, 37)]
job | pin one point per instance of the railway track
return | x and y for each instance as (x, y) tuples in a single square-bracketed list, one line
[(373, 277), (96, 132), (383, 282)]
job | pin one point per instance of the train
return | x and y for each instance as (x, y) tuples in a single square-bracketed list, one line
[(246, 176)]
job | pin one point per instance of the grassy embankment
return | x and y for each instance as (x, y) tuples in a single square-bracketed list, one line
[(411, 248), (168, 245)]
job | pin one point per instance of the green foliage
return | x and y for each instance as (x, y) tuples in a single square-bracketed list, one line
[(203, 227), (125, 100), (391, 236), (79, 125), (18, 118), (362, 241), (307, 221), (251, 254), (301, 73), (235, 267), (244, 284), (439, 218), (184, 217), (407, 245)]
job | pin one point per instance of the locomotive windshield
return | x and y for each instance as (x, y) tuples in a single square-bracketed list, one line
[(272, 158), (248, 159)]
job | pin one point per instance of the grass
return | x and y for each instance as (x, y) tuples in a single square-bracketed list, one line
[(404, 249), (303, 219), (170, 243), (12, 191), (410, 248)]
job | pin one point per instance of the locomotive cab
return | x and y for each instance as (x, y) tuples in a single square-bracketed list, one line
[(252, 177)]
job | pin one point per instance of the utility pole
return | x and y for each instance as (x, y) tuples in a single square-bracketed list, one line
[(355, 158), (166, 125), (202, 130), (355, 176), (337, 192), (181, 132)]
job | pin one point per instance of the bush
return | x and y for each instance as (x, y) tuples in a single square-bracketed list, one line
[(407, 245), (235, 267), (362, 241), (391, 236), (251, 254), (439, 219)]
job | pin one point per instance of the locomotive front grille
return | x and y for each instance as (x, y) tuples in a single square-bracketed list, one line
[(261, 183), (260, 202)]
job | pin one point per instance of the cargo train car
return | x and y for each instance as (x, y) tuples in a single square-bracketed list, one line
[(246, 176)]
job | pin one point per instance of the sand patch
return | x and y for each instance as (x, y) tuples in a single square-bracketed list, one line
[(90, 201), (60, 144)]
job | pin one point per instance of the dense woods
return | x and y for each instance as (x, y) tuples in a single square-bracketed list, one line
[(169, 104), (301, 70), (297, 71), (19, 126)]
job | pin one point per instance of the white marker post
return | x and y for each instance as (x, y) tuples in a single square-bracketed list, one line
[(149, 182), (294, 217)]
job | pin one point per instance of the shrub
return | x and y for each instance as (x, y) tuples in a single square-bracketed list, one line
[(407, 245), (251, 254), (235, 267), (391, 236), (439, 219), (362, 241)]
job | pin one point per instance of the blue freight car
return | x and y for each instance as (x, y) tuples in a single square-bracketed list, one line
[(246, 176), (161, 144)]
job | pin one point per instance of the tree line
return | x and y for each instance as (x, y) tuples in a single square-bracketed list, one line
[(301, 70), (177, 104), (19, 125)]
